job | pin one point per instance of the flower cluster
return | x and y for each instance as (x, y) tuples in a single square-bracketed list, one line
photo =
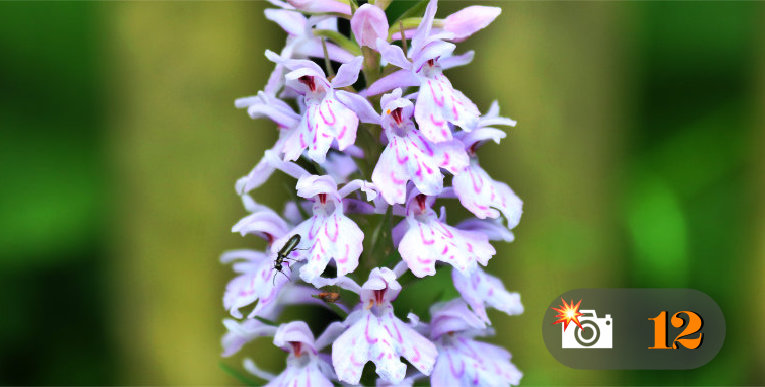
[(420, 148)]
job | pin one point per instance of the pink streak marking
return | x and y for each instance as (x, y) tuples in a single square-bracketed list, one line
[(422, 236), (446, 231), (398, 157), (416, 357), (395, 180), (326, 230), (424, 260), (334, 119), (355, 363), (308, 115), (433, 93), (477, 185), (451, 367), (311, 233), (342, 132), (426, 145), (398, 334), (446, 248), (437, 123), (454, 110), (366, 332), (345, 257)]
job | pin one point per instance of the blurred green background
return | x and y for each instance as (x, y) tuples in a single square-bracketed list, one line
[(638, 154)]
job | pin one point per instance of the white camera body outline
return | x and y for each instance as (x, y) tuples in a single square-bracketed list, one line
[(602, 336)]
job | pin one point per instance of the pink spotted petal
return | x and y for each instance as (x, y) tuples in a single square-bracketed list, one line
[(383, 339), (480, 290), (438, 104), (428, 241), (405, 158), (483, 196), (463, 361), (322, 124)]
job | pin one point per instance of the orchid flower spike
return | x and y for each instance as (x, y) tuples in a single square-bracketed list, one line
[(363, 207)]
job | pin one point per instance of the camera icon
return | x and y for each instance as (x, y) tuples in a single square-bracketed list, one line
[(596, 332)]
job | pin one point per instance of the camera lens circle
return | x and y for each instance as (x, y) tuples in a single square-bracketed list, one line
[(586, 342)]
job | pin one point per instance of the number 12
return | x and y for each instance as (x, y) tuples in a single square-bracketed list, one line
[(693, 325)]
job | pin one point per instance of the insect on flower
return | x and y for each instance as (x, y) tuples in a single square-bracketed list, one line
[(288, 248), (328, 296)]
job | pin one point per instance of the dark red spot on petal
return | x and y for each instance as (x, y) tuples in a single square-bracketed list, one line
[(396, 114), (308, 81)]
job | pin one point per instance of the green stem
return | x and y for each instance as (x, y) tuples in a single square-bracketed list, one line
[(371, 67)]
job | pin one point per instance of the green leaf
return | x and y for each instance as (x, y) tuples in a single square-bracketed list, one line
[(339, 39), (238, 375)]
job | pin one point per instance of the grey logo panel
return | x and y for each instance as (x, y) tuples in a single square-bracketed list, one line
[(634, 328)]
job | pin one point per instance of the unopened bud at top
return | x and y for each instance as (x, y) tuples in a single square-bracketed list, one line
[(368, 24)]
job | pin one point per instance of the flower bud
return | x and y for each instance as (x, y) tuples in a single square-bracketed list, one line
[(368, 24)]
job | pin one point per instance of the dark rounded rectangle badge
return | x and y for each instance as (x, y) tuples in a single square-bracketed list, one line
[(634, 328)]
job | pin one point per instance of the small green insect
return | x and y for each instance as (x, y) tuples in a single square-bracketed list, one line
[(283, 254)]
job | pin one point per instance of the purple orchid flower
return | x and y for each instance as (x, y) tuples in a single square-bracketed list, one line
[(475, 189), (427, 239), (328, 234), (331, 115), (462, 360), (258, 280), (433, 127), (410, 156), (480, 290), (375, 334), (438, 103), (301, 42), (305, 366)]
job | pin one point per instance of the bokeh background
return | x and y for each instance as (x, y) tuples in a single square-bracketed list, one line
[(638, 154)]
